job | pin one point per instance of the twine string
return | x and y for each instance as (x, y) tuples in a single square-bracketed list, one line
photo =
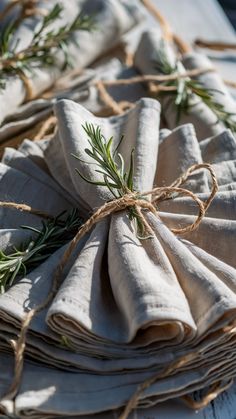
[(133, 401), (48, 126), (214, 45), (159, 78), (154, 83), (182, 179), (167, 32), (28, 8), (107, 99), (28, 85), (164, 24), (214, 391), (25, 208)]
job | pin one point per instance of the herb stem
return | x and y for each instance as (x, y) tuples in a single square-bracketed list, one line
[(54, 234), (44, 45)]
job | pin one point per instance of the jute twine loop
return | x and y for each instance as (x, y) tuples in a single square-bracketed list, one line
[(136, 199), (230, 83), (214, 391), (30, 8), (130, 199), (193, 169)]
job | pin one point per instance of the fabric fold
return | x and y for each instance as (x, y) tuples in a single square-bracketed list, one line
[(125, 307), (154, 55), (120, 16)]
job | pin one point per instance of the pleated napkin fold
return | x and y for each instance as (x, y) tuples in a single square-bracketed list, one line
[(152, 52), (126, 307), (118, 16)]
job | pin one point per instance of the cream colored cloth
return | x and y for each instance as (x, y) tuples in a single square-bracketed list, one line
[(127, 307), (81, 89), (148, 60), (118, 16)]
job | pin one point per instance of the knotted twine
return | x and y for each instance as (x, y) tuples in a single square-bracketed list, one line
[(130, 199)]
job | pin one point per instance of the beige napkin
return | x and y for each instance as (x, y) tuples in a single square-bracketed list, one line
[(81, 89), (120, 16), (149, 57), (127, 307)]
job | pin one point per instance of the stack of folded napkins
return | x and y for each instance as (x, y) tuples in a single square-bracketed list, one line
[(128, 307)]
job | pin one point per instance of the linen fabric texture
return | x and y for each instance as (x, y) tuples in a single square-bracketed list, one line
[(128, 307)]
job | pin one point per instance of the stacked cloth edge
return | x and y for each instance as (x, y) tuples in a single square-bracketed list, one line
[(128, 307)]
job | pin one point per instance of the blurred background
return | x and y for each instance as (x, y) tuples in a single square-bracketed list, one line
[(229, 7)]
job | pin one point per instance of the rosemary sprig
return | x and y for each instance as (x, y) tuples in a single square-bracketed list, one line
[(54, 233), (186, 90), (115, 178), (43, 47), (112, 167)]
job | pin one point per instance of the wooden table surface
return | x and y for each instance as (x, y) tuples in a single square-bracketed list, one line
[(192, 19)]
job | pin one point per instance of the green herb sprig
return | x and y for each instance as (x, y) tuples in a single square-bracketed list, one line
[(186, 90), (43, 47), (117, 180), (112, 167), (54, 233)]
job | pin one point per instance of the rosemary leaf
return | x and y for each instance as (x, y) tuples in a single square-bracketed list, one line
[(54, 234), (111, 166), (186, 90), (45, 44)]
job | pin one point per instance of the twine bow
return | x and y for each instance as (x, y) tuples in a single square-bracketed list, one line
[(137, 200)]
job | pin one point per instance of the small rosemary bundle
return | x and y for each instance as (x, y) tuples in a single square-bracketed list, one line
[(44, 46), (58, 231), (117, 180), (184, 91), (112, 167), (54, 233)]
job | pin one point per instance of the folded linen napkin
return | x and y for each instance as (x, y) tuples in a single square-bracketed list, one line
[(28, 119), (120, 16), (127, 308), (149, 60)]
